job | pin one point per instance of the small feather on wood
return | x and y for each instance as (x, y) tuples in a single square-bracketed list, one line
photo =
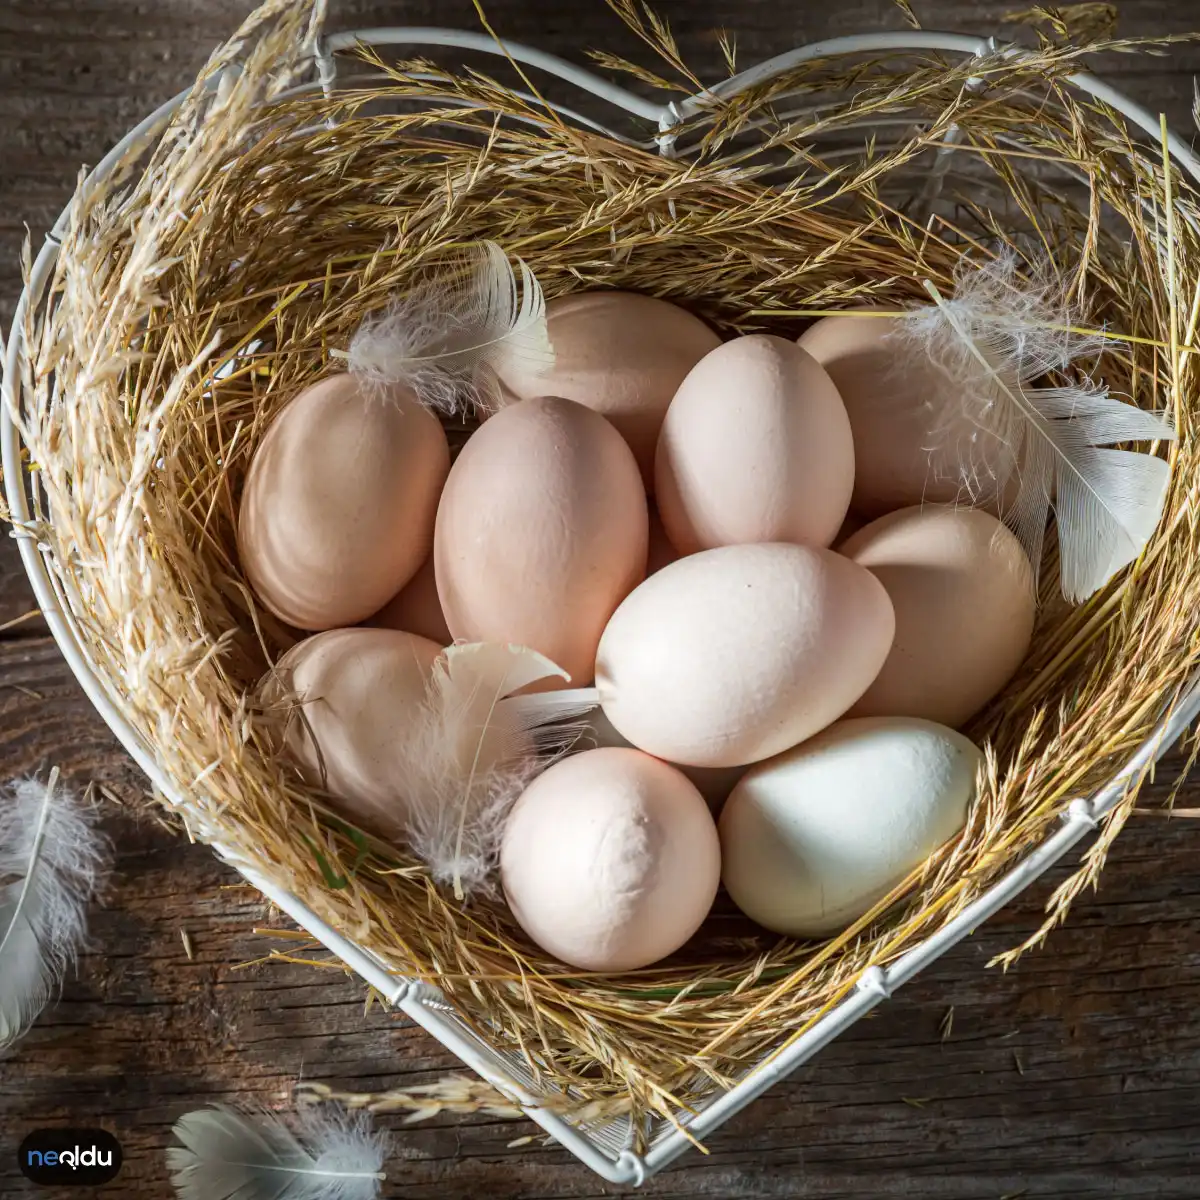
[(229, 1154), (52, 858)]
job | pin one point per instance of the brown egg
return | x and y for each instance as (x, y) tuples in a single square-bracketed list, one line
[(755, 447), (541, 532), (337, 512), (850, 526), (622, 355), (353, 687), (416, 608), (962, 591), (912, 442)]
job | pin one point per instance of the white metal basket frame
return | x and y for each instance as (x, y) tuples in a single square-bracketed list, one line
[(605, 1150)]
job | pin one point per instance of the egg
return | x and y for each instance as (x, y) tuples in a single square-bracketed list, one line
[(338, 507), (353, 688), (541, 532), (913, 441), (622, 355), (734, 654), (813, 839), (962, 590), (756, 447), (610, 860), (416, 608)]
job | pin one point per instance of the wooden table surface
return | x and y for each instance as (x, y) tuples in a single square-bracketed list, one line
[(1076, 1075)]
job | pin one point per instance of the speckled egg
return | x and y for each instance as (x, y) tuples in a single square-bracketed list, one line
[(734, 654)]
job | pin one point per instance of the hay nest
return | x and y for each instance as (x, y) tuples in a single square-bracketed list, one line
[(211, 276)]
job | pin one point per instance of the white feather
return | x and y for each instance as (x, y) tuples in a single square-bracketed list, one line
[(52, 855), (446, 339), (473, 751), (993, 341), (232, 1155)]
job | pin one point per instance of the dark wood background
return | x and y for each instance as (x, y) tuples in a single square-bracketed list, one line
[(1075, 1075)]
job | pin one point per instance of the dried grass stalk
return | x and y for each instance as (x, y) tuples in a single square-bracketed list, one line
[(199, 289)]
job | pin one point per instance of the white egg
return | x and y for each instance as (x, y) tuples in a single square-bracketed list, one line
[(813, 838)]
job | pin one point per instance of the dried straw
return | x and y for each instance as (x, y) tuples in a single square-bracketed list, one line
[(201, 287), (456, 1094)]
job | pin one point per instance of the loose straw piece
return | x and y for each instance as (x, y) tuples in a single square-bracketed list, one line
[(25, 616)]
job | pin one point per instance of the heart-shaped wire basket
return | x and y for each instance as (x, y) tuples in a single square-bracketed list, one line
[(952, 142)]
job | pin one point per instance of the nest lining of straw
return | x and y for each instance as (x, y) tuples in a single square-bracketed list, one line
[(200, 288)]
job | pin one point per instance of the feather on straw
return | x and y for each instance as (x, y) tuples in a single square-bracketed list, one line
[(473, 751), (992, 341), (231, 1155), (446, 338), (49, 843)]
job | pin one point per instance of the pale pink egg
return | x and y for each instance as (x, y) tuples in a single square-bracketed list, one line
[(756, 447), (610, 860), (734, 654), (541, 532)]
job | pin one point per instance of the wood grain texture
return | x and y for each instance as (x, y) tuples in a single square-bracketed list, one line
[(1077, 1074)]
